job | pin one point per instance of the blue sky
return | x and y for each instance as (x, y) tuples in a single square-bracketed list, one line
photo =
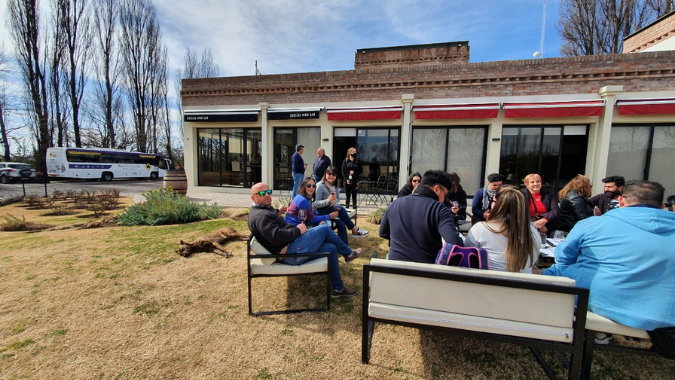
[(289, 36)]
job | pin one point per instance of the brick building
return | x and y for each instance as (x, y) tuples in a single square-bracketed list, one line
[(412, 108)]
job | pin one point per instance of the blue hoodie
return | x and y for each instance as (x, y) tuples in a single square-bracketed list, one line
[(626, 258)]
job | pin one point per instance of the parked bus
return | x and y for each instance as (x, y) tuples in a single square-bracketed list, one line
[(104, 164)]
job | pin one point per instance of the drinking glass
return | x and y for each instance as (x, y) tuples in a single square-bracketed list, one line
[(302, 215), (558, 235)]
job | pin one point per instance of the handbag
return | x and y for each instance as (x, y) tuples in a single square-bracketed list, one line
[(466, 257)]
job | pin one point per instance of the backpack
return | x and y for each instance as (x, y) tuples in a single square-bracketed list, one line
[(466, 257)]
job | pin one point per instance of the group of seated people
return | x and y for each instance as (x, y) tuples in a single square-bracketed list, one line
[(618, 242), (305, 226)]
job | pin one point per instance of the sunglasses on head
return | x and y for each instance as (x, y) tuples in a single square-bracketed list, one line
[(310, 185), (262, 193)]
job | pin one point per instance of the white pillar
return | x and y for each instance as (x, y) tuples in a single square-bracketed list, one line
[(600, 146), (406, 138), (267, 133)]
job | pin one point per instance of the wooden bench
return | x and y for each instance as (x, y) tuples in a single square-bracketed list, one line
[(531, 310), (262, 263)]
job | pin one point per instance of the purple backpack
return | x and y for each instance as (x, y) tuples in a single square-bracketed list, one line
[(466, 257)]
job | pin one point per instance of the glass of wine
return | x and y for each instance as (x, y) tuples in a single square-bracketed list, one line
[(302, 215)]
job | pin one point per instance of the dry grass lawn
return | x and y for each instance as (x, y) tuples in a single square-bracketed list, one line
[(119, 303)]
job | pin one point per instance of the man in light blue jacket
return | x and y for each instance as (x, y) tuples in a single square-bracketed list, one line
[(626, 258)]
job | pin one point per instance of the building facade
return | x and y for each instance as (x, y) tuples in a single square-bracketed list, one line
[(413, 108)]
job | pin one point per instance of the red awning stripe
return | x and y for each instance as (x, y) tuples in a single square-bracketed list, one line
[(365, 113), (658, 106), (457, 111), (555, 109)]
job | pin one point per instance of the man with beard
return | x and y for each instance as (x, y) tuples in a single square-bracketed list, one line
[(608, 200)]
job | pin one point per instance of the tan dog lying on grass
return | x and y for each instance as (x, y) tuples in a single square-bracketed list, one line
[(211, 243)]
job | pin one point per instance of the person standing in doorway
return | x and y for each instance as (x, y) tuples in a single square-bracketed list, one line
[(351, 171), (321, 162), (298, 167)]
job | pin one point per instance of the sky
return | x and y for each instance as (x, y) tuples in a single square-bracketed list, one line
[(291, 36)]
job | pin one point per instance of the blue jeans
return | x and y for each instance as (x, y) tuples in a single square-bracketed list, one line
[(342, 223), (297, 180), (319, 239)]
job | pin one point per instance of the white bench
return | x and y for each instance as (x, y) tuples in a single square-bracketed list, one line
[(531, 310), (262, 263)]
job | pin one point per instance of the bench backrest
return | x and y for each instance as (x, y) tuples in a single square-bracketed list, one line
[(543, 300)]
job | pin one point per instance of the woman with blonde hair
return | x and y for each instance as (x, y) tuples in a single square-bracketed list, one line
[(541, 201), (573, 206), (509, 237)]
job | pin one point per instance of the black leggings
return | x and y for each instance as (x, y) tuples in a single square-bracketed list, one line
[(350, 190)]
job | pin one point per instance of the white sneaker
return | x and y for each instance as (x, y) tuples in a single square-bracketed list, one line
[(602, 338), (360, 233)]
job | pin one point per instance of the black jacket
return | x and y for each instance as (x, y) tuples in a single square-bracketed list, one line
[(573, 208), (548, 199), (405, 190), (270, 228), (349, 165), (414, 226), (601, 201), (459, 197)]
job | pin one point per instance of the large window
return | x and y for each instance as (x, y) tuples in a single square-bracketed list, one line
[(285, 140), (556, 153), (643, 152), (377, 150), (451, 149), (229, 157)]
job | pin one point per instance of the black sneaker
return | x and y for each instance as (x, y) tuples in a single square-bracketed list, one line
[(355, 254), (345, 292)]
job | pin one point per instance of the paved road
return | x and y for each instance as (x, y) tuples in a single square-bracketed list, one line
[(135, 189)]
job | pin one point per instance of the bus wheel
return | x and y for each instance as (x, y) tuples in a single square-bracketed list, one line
[(107, 176), (154, 175)]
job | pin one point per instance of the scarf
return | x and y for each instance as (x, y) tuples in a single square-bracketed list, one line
[(488, 195)]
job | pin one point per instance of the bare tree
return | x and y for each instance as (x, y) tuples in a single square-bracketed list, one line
[(140, 45), (24, 27), (107, 69), (57, 90), (3, 101), (590, 27), (193, 68), (661, 7), (73, 26)]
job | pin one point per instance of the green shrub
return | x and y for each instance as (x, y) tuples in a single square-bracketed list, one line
[(164, 206)]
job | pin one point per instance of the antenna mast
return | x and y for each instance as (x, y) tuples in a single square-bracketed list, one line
[(543, 33)]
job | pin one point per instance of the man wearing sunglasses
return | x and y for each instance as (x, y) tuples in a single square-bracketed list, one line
[(270, 229), (414, 225)]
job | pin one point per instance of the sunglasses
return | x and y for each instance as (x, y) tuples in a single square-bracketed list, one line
[(310, 185), (331, 174), (416, 181), (262, 193)]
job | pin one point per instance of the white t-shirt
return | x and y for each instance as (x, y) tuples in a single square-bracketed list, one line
[(495, 244)]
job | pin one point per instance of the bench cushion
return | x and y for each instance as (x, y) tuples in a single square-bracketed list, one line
[(471, 299), (469, 322), (258, 248), (595, 322), (315, 266)]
